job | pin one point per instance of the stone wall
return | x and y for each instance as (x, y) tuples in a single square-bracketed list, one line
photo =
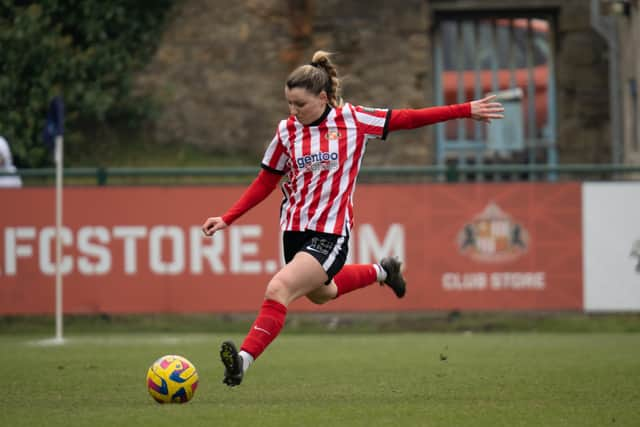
[(630, 68), (220, 69)]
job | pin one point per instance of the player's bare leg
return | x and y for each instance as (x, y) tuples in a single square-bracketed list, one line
[(298, 278), (301, 276), (323, 294), (357, 276)]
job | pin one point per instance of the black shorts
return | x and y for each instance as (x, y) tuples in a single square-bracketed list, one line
[(329, 249)]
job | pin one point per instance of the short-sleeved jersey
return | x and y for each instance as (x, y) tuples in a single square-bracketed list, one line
[(322, 162)]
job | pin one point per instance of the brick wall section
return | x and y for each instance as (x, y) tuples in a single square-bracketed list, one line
[(220, 69)]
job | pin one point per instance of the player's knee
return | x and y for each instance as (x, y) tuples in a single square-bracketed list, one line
[(277, 291)]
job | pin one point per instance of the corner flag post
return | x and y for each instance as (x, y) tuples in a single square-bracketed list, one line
[(59, 158), (53, 133)]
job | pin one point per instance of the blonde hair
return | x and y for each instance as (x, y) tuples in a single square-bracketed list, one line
[(321, 74)]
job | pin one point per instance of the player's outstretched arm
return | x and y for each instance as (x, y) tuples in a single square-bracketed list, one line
[(484, 109)]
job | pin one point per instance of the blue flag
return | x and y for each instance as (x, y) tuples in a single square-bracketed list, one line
[(54, 125)]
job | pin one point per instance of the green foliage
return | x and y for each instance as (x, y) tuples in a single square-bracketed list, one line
[(86, 51)]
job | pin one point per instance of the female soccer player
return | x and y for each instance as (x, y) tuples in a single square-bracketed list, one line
[(320, 149)]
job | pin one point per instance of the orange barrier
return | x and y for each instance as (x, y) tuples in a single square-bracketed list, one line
[(140, 250)]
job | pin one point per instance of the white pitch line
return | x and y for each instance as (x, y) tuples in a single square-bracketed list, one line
[(128, 339)]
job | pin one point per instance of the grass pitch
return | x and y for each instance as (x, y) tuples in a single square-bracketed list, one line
[(411, 379)]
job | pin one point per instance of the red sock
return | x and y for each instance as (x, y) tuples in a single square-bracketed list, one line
[(354, 276), (265, 329)]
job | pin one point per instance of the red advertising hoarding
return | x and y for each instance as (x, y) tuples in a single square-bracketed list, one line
[(140, 250)]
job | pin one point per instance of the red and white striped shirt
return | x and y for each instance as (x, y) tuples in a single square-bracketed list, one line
[(322, 163)]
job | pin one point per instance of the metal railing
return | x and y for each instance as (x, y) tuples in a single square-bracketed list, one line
[(240, 174)]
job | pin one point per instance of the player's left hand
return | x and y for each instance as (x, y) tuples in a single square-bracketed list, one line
[(486, 109), (213, 224)]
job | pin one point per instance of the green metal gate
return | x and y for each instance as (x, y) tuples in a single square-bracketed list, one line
[(508, 55)]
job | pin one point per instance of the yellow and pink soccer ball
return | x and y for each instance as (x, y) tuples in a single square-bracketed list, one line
[(172, 379)]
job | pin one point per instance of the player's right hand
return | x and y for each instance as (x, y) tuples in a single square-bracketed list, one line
[(213, 224)]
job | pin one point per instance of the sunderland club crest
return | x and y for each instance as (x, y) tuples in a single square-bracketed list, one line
[(493, 236)]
